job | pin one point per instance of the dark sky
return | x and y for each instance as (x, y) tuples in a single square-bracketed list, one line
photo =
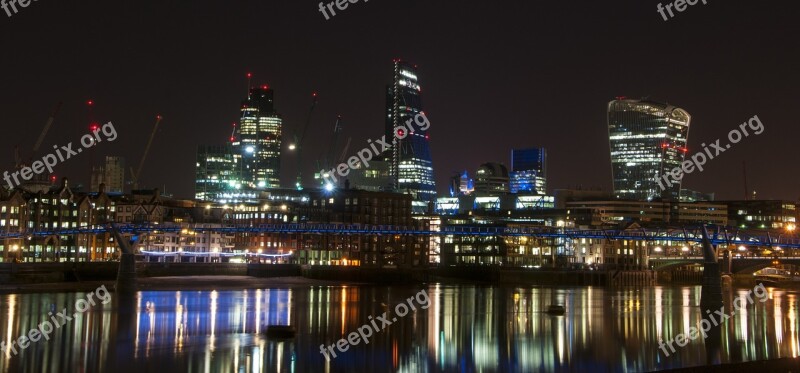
[(495, 75)]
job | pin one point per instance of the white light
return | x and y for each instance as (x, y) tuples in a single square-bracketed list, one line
[(657, 249), (292, 147), (250, 149), (742, 248), (329, 187), (262, 184), (684, 248)]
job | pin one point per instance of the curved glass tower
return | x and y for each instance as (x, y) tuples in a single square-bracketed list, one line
[(647, 140)]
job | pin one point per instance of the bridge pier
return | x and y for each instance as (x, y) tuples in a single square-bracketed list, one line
[(126, 276), (711, 291), (727, 259)]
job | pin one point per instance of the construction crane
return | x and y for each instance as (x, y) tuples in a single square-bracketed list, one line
[(135, 174), (18, 159), (45, 130), (298, 143), (337, 129)]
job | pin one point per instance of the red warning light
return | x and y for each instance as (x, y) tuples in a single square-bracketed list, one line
[(314, 94), (400, 133), (53, 178), (90, 102), (231, 138), (159, 117), (249, 75), (264, 86), (94, 126)]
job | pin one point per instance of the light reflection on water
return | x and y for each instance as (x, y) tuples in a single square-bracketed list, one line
[(465, 329)]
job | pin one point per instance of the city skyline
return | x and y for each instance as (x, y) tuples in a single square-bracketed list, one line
[(528, 96)]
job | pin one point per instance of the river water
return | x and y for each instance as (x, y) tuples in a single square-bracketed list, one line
[(455, 328)]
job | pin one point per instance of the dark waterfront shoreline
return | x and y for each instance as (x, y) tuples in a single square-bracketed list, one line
[(772, 366)]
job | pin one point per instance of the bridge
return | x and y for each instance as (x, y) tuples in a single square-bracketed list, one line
[(723, 236), (739, 265)]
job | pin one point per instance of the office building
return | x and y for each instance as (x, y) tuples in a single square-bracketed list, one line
[(647, 140), (528, 171), (214, 172), (256, 141), (410, 164), (491, 179), (111, 173)]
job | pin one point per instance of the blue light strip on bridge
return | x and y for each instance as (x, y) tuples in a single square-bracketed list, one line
[(689, 234)]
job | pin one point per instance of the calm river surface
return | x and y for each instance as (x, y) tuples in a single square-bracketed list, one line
[(465, 329)]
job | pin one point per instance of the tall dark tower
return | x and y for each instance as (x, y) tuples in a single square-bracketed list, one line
[(410, 164), (256, 142)]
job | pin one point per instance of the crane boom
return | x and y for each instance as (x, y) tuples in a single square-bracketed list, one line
[(337, 129), (299, 142), (144, 155), (45, 129), (344, 151)]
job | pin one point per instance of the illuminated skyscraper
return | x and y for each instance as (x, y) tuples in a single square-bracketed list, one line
[(256, 141), (214, 172), (647, 140), (528, 171), (410, 164)]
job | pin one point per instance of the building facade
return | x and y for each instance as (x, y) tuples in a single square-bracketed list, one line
[(528, 171), (111, 173), (647, 140), (491, 179), (410, 163), (214, 172), (256, 142)]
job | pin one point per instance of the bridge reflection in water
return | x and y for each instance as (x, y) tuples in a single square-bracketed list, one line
[(466, 328)]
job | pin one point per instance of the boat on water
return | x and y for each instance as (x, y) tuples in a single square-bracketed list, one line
[(281, 331), (777, 278), (778, 281)]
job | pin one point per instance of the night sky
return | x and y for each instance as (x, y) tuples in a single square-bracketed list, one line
[(494, 75)]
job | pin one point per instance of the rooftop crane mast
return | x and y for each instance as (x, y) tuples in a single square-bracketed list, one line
[(337, 129), (135, 174), (18, 159), (298, 142)]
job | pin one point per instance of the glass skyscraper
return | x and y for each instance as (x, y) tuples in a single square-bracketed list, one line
[(410, 164), (214, 172), (250, 161), (529, 171), (647, 140), (256, 141)]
